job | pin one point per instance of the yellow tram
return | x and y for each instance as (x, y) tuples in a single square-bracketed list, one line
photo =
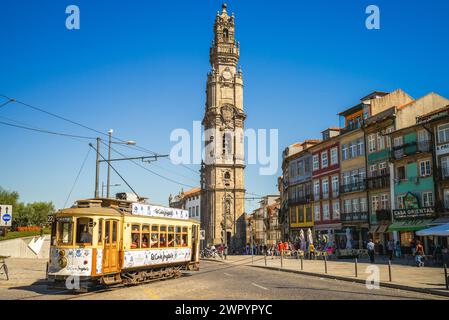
[(110, 241)]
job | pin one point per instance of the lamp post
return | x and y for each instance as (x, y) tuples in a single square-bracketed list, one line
[(129, 142)]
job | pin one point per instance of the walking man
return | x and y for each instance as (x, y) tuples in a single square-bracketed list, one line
[(370, 247)]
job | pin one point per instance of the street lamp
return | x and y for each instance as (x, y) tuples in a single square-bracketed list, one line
[(129, 142)]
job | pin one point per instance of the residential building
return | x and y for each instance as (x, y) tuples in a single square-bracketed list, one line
[(326, 184), (188, 200), (260, 218)]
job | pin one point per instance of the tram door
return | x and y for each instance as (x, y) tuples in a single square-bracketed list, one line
[(110, 251)]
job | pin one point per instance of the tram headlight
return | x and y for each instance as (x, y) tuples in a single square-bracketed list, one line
[(62, 262), (62, 253)]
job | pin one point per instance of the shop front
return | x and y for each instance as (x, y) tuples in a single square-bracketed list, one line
[(325, 234), (355, 236)]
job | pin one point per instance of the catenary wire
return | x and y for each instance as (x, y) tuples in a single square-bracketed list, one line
[(77, 177)]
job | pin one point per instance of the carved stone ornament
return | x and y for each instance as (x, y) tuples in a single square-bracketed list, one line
[(227, 114)]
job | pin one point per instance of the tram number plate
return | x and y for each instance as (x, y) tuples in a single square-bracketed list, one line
[(50, 218)]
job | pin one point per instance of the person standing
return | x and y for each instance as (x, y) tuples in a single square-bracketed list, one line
[(390, 249), (370, 247), (311, 251), (419, 254), (398, 249)]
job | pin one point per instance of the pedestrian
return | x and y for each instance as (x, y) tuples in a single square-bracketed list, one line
[(398, 249), (390, 249), (419, 254), (247, 249), (370, 247), (311, 251)]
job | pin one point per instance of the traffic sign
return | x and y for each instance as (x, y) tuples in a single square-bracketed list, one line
[(202, 234), (5, 215)]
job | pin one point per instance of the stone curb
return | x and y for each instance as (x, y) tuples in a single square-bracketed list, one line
[(382, 284)]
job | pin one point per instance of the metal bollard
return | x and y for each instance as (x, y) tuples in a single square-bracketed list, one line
[(265, 259), (302, 265), (389, 270), (325, 264), (356, 267), (282, 254), (445, 277)]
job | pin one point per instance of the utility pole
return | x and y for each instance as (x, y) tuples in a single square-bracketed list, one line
[(97, 168), (109, 163)]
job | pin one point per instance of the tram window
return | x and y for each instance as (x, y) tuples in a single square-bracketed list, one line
[(154, 236), (184, 237), (84, 230), (100, 231), (114, 231), (106, 232), (163, 236), (171, 236), (65, 232), (145, 235), (135, 236)]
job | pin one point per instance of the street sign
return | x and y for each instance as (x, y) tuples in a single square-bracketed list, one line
[(202, 234), (5, 215)]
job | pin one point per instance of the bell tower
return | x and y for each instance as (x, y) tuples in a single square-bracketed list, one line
[(222, 172)]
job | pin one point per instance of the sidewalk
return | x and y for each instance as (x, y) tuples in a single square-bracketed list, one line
[(426, 279), (24, 272)]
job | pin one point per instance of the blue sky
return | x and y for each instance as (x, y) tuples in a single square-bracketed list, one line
[(140, 68)]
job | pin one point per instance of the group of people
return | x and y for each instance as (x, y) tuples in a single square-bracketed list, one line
[(287, 247), (395, 250)]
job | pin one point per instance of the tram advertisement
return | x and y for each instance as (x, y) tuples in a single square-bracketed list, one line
[(70, 261), (153, 257)]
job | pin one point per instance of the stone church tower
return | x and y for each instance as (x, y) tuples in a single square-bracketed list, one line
[(222, 172)]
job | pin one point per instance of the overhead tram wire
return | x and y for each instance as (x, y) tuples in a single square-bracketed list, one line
[(151, 171), (77, 177), (109, 164), (81, 125)]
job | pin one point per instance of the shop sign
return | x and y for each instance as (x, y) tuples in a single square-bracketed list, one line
[(411, 201), (442, 149), (414, 213)]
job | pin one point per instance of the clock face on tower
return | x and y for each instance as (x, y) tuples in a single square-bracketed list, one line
[(227, 75)]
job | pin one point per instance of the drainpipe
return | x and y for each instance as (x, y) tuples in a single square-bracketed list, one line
[(434, 167)]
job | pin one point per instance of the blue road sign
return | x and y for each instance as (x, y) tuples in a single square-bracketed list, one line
[(6, 217)]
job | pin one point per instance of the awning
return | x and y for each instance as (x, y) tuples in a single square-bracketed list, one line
[(382, 228), (439, 221), (441, 231), (409, 225)]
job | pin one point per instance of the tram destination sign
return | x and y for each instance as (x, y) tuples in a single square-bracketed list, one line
[(414, 213), (158, 211)]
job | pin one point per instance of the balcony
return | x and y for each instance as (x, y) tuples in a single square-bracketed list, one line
[(354, 217), (301, 200), (411, 148), (383, 215), (353, 187), (379, 182)]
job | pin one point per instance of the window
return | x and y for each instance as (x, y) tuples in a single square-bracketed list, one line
[(300, 214), (227, 143), (308, 214), (360, 147), (162, 236), (346, 178), (184, 237), (135, 236), (373, 170), (307, 165), (100, 231), (325, 183), (197, 211), (443, 133), (316, 163), (335, 186), (423, 136), (427, 199), (326, 211), (317, 213), (355, 205), (154, 243), (363, 205), (324, 160), (400, 202), (353, 150), (347, 205), (446, 198), (171, 236), (65, 229), (445, 166), (375, 202), (398, 141), (334, 155), (145, 236), (316, 189), (300, 168), (380, 141), (293, 216), (387, 137), (385, 204), (372, 143), (84, 231), (344, 152), (336, 210), (383, 168), (424, 168), (400, 171)]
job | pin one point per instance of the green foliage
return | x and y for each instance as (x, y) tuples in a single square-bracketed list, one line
[(21, 234), (30, 214)]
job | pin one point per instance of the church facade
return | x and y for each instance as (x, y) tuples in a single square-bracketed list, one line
[(222, 172)]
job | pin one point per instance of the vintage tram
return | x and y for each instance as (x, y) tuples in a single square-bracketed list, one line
[(111, 241)]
